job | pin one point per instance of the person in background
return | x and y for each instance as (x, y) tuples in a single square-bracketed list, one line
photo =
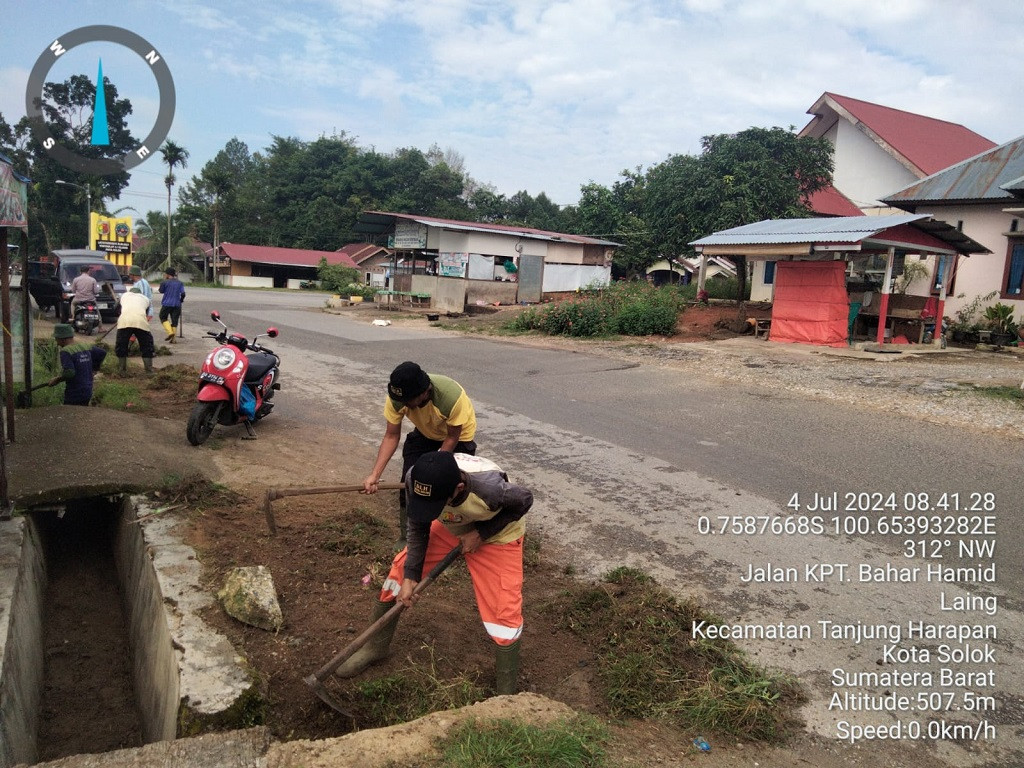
[(135, 278), (79, 363), (134, 321), (443, 418), (173, 291), (85, 288)]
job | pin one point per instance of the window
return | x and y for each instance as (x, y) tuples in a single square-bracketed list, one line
[(769, 272), (1013, 284)]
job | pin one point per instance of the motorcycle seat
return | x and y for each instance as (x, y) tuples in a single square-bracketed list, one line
[(259, 364)]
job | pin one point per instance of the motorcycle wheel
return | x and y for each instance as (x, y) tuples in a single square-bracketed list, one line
[(201, 422)]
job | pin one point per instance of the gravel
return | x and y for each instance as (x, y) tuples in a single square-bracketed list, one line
[(967, 388)]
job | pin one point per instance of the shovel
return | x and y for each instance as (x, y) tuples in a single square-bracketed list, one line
[(316, 680)]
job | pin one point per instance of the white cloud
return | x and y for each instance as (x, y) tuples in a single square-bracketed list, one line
[(13, 81), (545, 95)]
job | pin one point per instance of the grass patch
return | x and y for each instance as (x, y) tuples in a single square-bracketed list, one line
[(118, 394), (651, 668), (1009, 393), (577, 742), (411, 693)]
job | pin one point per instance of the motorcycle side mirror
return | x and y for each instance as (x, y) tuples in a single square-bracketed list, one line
[(272, 333), (215, 315)]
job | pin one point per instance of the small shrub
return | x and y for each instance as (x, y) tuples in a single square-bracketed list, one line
[(634, 309), (719, 288), (335, 277), (645, 320)]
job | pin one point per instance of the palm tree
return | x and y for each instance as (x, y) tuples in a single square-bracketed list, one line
[(174, 156)]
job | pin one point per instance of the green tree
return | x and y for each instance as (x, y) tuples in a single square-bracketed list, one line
[(152, 255), (757, 174), (57, 212), (617, 214), (174, 156)]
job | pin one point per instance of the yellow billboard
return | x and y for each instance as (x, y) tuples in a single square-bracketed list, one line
[(114, 236)]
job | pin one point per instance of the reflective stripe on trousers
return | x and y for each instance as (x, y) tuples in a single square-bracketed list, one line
[(497, 574)]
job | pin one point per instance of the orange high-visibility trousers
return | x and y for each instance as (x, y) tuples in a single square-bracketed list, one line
[(497, 574)]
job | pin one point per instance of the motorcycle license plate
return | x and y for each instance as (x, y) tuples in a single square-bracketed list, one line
[(211, 377)]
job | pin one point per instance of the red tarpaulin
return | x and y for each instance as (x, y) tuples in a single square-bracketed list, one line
[(811, 305)]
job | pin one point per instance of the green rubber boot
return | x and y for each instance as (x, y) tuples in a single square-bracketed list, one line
[(122, 364), (147, 363), (507, 668), (376, 648)]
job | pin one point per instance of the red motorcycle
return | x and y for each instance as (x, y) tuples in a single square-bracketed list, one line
[(236, 383)]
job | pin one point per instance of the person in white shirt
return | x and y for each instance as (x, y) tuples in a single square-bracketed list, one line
[(134, 321)]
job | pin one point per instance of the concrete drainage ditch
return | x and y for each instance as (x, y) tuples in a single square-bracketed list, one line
[(162, 671)]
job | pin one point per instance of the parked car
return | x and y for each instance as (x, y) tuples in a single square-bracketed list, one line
[(49, 282)]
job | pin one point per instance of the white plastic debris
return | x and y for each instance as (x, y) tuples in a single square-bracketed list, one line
[(382, 322)]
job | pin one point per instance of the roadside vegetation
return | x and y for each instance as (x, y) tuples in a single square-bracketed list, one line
[(632, 309), (649, 668), (623, 308), (652, 669), (577, 742), (1007, 393)]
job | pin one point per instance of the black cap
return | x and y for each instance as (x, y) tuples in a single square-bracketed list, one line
[(408, 381), (431, 482)]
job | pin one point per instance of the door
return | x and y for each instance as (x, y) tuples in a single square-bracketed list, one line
[(531, 278)]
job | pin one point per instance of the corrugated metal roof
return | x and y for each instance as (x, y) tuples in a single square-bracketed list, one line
[(843, 230), (982, 177), (1016, 186), (378, 222)]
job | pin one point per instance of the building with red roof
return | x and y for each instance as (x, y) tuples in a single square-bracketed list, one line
[(879, 149), (373, 261), (271, 267)]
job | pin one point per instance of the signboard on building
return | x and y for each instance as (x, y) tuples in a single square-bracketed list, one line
[(410, 234), (113, 236), (13, 197)]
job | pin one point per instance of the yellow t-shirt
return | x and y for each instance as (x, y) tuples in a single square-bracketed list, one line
[(449, 405)]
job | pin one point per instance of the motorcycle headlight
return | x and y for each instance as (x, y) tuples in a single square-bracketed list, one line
[(223, 358)]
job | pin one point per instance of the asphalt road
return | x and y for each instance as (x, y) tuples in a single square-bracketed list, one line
[(688, 479)]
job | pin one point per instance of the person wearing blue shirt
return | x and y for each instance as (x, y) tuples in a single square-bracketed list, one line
[(137, 280), (78, 363), (173, 291)]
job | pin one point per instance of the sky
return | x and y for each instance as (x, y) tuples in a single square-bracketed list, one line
[(534, 95)]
